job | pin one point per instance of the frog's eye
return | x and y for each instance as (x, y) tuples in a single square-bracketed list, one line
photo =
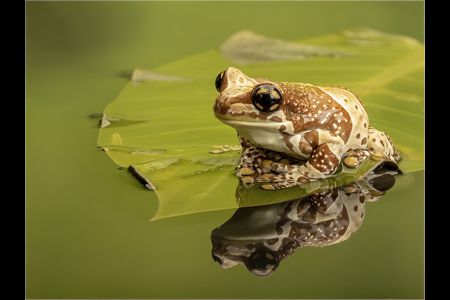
[(219, 80), (267, 97), (262, 263)]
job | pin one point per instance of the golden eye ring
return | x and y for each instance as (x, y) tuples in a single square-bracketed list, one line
[(267, 97)]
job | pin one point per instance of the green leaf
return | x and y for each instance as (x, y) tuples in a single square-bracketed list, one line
[(162, 124)]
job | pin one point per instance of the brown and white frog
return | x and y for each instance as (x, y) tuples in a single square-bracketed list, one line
[(296, 132)]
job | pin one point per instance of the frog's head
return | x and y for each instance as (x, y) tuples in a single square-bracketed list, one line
[(257, 237), (244, 98), (253, 106)]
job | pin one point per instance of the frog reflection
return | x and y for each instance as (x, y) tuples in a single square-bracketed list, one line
[(261, 237)]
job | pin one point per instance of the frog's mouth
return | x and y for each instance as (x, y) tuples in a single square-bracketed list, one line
[(246, 124), (250, 128), (250, 123), (245, 120)]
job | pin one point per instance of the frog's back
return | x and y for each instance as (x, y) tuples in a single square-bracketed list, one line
[(330, 108), (358, 137)]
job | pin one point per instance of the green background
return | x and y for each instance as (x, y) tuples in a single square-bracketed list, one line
[(87, 229)]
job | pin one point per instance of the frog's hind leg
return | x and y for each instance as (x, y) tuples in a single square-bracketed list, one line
[(379, 142)]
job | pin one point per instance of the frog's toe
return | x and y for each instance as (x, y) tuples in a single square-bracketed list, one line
[(246, 168), (268, 187), (271, 178), (247, 180), (275, 156), (284, 184), (245, 172), (351, 162), (290, 179), (353, 158), (278, 186), (278, 167), (258, 166)]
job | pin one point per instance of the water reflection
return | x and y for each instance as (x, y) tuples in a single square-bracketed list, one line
[(261, 237)]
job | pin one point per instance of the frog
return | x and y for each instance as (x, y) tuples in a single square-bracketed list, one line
[(291, 133), (262, 237)]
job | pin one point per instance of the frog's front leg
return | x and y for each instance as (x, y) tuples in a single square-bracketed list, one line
[(324, 150), (251, 159), (326, 157)]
